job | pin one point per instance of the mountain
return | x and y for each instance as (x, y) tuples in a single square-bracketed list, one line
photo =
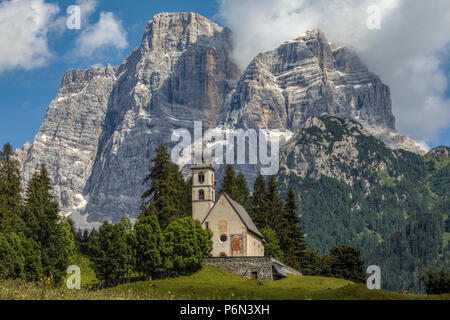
[(102, 128), (307, 77), (352, 189), (100, 131)]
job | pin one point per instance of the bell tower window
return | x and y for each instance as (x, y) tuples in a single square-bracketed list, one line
[(201, 195), (201, 177)]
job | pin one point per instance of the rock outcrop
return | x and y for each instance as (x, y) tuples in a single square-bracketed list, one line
[(440, 151)]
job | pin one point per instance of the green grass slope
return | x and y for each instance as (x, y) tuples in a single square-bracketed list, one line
[(210, 284)]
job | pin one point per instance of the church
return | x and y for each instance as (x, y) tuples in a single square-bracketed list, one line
[(234, 232), (238, 245)]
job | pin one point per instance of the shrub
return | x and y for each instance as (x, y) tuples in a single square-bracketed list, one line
[(19, 258), (437, 282), (149, 246), (188, 244), (112, 252)]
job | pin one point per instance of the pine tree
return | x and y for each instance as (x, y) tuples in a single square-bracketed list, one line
[(10, 192), (244, 192), (293, 241), (229, 184), (274, 210), (187, 198), (258, 202), (311, 263), (347, 263), (166, 196), (44, 225)]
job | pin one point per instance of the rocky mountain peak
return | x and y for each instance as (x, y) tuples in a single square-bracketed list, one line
[(177, 31), (73, 80)]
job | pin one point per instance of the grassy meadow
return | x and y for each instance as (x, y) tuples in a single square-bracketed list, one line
[(207, 284)]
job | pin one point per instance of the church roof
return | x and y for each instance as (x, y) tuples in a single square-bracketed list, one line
[(244, 216)]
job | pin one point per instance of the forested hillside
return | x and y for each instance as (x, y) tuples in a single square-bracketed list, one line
[(352, 189)]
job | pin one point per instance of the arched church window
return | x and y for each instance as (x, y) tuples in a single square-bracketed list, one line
[(201, 177), (201, 195)]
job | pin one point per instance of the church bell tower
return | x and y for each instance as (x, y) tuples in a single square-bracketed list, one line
[(203, 191)]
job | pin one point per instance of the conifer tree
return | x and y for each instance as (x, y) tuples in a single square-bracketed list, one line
[(311, 263), (10, 192), (187, 198), (274, 210), (244, 192), (166, 195), (229, 184), (44, 225), (258, 202), (347, 263), (293, 241)]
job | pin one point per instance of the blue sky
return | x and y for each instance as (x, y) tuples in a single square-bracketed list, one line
[(25, 94)]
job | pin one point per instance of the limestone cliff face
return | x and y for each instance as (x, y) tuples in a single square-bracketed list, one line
[(100, 131), (308, 77), (102, 128), (67, 142)]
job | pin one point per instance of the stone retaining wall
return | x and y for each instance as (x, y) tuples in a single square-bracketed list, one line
[(261, 267)]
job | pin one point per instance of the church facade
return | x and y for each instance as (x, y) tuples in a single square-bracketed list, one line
[(234, 232)]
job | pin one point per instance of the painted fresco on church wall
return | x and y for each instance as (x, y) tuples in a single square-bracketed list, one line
[(237, 245)]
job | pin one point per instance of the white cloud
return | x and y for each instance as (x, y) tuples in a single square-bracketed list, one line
[(87, 7), (107, 33), (407, 53), (24, 26)]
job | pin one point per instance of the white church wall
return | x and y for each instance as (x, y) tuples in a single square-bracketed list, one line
[(223, 220)]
